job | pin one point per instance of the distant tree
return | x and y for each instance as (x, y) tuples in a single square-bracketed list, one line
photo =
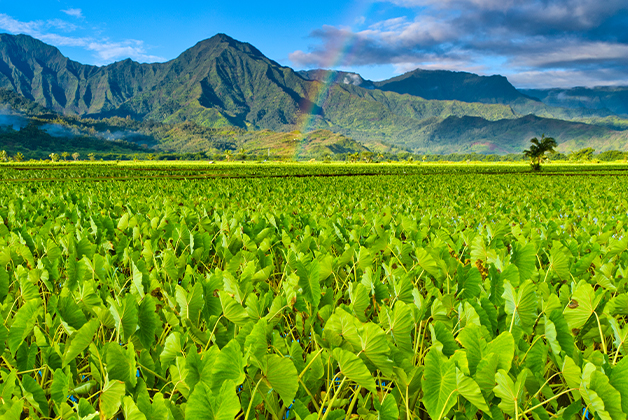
[(19, 157), (150, 156), (611, 155), (582, 154), (91, 156), (76, 155), (228, 155), (353, 157), (242, 153), (380, 157), (368, 157), (54, 157), (4, 156), (65, 155), (537, 151)]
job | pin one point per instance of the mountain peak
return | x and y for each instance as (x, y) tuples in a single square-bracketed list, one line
[(223, 40), (453, 85)]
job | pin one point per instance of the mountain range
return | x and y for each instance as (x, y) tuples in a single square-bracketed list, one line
[(223, 84)]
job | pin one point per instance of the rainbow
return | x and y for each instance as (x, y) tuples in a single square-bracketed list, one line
[(343, 53)]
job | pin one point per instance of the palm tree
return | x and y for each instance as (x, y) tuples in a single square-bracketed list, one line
[(19, 157), (91, 156), (54, 157), (76, 155), (536, 152), (228, 155), (65, 155), (4, 156)]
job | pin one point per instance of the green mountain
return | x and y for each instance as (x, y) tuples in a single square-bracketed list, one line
[(606, 98), (452, 85), (230, 87)]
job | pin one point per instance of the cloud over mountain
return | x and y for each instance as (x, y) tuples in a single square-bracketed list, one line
[(539, 38)]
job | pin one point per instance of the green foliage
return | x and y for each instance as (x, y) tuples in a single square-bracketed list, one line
[(255, 296), (536, 152)]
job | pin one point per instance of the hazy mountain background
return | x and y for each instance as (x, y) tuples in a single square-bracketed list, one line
[(223, 94)]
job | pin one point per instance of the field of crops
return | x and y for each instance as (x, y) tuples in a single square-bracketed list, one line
[(313, 292)]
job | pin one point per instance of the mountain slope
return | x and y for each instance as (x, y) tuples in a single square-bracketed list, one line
[(449, 85), (611, 98), (231, 86)]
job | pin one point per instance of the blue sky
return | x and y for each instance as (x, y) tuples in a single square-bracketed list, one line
[(535, 43)]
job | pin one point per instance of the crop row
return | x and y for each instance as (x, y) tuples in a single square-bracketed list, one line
[(452, 296)]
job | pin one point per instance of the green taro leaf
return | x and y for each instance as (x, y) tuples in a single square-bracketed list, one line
[(281, 375), (520, 304), (583, 303), (309, 281), (619, 380), (470, 390), (80, 340), (388, 409), (60, 387), (354, 368), (191, 303), (440, 386), (23, 324), (204, 405), (125, 316), (34, 394), (130, 410), (110, 398), (232, 310), (147, 322)]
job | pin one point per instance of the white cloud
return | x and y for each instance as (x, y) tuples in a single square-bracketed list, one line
[(77, 13), (105, 50), (559, 38)]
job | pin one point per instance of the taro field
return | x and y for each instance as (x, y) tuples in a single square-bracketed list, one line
[(313, 292)]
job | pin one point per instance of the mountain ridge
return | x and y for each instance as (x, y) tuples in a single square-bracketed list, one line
[(222, 82)]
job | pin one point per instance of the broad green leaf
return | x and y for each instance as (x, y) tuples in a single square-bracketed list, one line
[(190, 304), (443, 335), (524, 257), (610, 396), (229, 365), (507, 392), (503, 346), (203, 405), (110, 398), (34, 394), (387, 410), (520, 304), (281, 375), (121, 363), (573, 375), (130, 410), (439, 384), (309, 281), (470, 390), (60, 387), (172, 349), (374, 346), (147, 322), (232, 310), (354, 368), (4, 283), (125, 316), (583, 303), (619, 380), (80, 340), (22, 325), (559, 262)]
